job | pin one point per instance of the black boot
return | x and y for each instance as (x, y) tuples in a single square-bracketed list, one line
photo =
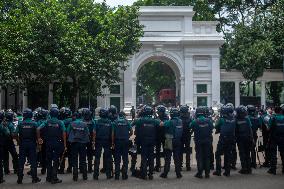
[(164, 175), (48, 175), (85, 173), (55, 180), (272, 171), (216, 173), (179, 175), (20, 179), (34, 175), (36, 180), (61, 170), (43, 171), (243, 171), (226, 174), (96, 176), (124, 176), (116, 177), (75, 174), (198, 175), (158, 168), (2, 180), (69, 170), (90, 169)]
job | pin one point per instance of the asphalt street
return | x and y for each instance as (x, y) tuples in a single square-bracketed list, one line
[(258, 180)]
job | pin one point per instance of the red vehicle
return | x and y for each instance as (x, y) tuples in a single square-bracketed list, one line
[(167, 95)]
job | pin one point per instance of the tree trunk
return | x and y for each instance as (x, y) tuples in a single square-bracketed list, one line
[(61, 96), (254, 88), (75, 91), (248, 86), (275, 91)]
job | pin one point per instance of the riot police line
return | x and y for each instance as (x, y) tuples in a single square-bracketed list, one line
[(47, 138)]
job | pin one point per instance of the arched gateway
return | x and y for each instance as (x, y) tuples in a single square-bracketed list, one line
[(190, 48)]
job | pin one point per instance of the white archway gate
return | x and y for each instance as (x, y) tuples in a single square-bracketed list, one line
[(190, 48)]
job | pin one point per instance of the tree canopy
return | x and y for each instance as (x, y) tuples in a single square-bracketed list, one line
[(66, 40), (153, 77)]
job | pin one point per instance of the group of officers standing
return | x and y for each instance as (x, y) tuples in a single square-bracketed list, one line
[(46, 138)]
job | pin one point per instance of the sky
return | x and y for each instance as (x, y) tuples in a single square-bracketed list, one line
[(114, 3)]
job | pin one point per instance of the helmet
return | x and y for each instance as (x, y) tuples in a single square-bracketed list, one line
[(200, 111), (241, 111), (76, 115), (230, 105), (174, 112), (103, 113), (278, 110), (62, 113), (184, 109), (112, 110), (282, 107), (44, 113), (28, 113), (2, 115), (68, 113), (251, 109), (161, 109), (86, 114), (9, 115), (227, 111), (65, 113), (54, 112), (122, 114), (141, 112), (207, 111), (148, 111)]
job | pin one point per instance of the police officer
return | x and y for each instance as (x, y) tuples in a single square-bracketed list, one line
[(208, 114), (244, 139), (133, 113), (55, 135), (186, 136), (68, 119), (78, 137), (103, 140), (10, 145), (174, 136), (87, 119), (137, 144), (202, 128), (40, 117), (226, 126), (4, 133), (147, 127), (162, 116), (120, 140), (112, 115), (65, 115), (256, 124), (265, 117), (27, 145), (276, 126)]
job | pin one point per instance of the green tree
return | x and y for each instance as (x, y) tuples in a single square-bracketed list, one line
[(153, 77), (67, 40)]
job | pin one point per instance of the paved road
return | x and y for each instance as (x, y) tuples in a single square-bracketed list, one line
[(258, 180)]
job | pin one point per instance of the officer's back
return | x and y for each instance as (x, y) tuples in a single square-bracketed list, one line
[(202, 127), (78, 132)]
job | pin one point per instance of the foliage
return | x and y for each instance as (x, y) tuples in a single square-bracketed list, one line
[(63, 40), (153, 77)]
